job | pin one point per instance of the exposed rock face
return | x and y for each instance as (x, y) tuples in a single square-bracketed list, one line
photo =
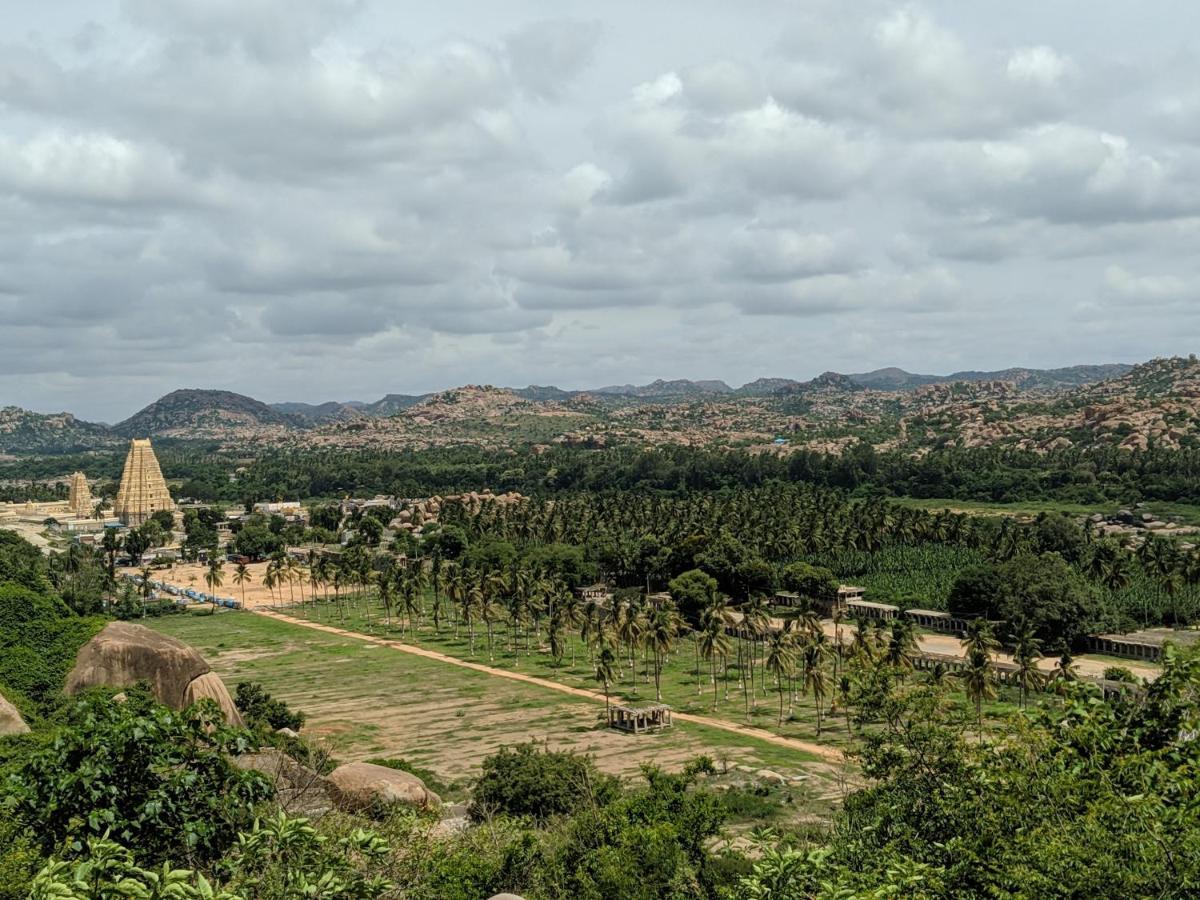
[(10, 720), (143, 491), (123, 654), (363, 785), (209, 686), (299, 789)]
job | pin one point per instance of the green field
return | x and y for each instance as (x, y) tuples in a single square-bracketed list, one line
[(365, 701), (1185, 513)]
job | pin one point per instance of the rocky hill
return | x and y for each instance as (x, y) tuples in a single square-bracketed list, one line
[(318, 413), (1154, 404), (22, 431), (204, 414)]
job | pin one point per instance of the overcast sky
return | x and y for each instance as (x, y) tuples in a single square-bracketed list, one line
[(335, 199)]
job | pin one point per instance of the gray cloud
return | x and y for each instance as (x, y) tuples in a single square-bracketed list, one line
[(324, 198)]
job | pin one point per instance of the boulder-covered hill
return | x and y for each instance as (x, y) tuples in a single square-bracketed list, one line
[(22, 431), (194, 413), (893, 379), (319, 413)]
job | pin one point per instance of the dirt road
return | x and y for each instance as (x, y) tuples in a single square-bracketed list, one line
[(826, 753)]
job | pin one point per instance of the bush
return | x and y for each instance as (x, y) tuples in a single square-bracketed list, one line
[(39, 638), (260, 709), (525, 780), (152, 778), (1120, 673)]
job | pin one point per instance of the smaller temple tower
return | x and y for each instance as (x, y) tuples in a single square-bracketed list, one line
[(143, 490), (80, 498)]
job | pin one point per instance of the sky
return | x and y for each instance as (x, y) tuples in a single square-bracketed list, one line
[(337, 199)]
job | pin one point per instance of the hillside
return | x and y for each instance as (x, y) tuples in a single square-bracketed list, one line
[(203, 414), (22, 431), (1153, 404), (318, 413)]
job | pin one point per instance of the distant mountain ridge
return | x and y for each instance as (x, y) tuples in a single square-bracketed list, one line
[(837, 401)]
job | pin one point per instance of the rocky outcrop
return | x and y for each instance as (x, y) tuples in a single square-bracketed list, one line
[(298, 789), (123, 654), (209, 686), (360, 786), (10, 719)]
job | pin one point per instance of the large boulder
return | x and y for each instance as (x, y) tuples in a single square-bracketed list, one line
[(123, 654), (10, 719), (209, 686), (298, 789), (361, 786)]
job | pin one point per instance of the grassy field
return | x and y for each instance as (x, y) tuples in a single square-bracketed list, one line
[(1184, 513), (681, 688), (367, 701)]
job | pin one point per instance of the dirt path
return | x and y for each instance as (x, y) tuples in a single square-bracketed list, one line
[(827, 753)]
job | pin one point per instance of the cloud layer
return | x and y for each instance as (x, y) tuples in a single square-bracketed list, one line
[(325, 199)]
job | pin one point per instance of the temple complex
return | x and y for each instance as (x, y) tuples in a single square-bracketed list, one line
[(80, 497), (143, 491)]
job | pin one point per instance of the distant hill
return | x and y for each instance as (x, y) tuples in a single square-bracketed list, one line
[(391, 404), (319, 413), (660, 389), (542, 393), (893, 379), (765, 387), (22, 431), (192, 413)]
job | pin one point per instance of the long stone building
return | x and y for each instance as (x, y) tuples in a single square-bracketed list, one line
[(143, 490)]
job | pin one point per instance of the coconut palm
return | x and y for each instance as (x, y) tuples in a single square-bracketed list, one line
[(661, 630), (714, 643), (605, 658), (978, 683), (241, 577), (1026, 653), (213, 578), (815, 677), (781, 661)]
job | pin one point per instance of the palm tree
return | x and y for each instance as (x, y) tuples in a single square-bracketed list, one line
[(213, 578), (902, 645), (661, 631), (781, 662), (387, 587), (713, 642), (980, 639), (1026, 653), (241, 576), (490, 611), (978, 683), (815, 677), (1064, 670), (605, 657)]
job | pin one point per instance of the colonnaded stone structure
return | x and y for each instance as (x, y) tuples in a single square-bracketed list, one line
[(80, 498), (143, 491)]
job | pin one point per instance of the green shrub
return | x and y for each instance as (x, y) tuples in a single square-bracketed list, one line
[(155, 779), (526, 780), (39, 639), (261, 709)]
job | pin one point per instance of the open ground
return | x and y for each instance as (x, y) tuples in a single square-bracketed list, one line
[(365, 699)]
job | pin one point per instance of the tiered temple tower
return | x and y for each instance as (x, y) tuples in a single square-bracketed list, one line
[(143, 490), (80, 498)]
